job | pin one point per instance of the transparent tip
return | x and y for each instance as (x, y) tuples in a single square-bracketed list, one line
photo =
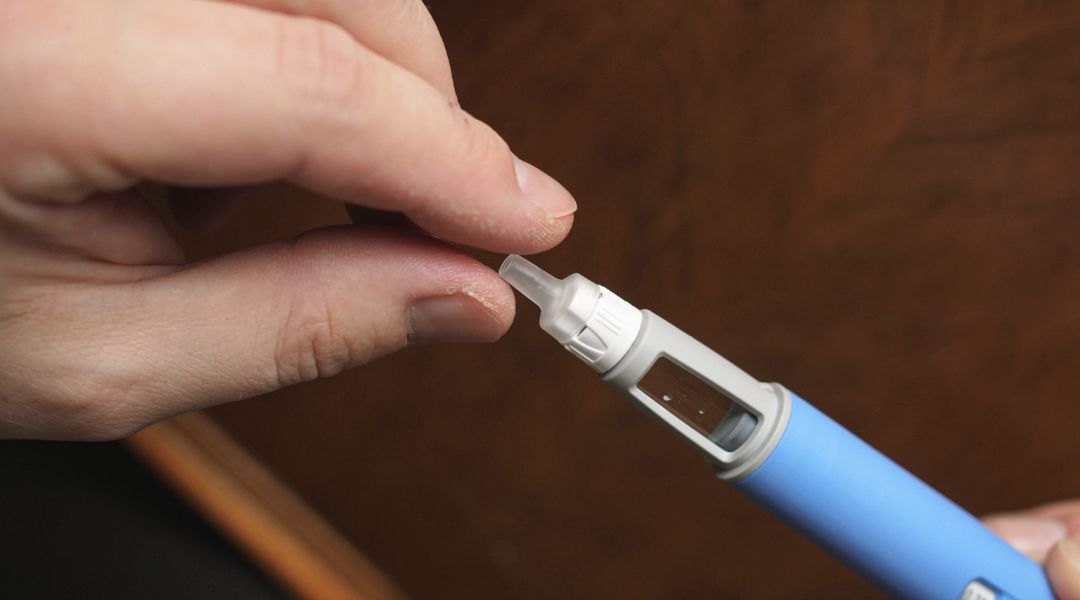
[(592, 323), (532, 281)]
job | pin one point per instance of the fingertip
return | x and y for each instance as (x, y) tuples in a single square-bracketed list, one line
[(1063, 569), (484, 287), (473, 304), (452, 318), (542, 191), (1031, 535), (558, 230), (552, 207)]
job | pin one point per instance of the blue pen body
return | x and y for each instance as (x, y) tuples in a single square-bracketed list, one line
[(782, 452), (881, 520)]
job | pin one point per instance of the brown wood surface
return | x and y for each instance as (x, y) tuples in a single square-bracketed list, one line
[(874, 203), (236, 493)]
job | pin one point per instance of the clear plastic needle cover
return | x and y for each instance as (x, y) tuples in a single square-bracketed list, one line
[(587, 319), (532, 281)]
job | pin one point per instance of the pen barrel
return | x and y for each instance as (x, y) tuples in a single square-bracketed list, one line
[(881, 520)]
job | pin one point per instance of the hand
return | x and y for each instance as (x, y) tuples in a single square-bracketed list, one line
[(1050, 534), (104, 327)]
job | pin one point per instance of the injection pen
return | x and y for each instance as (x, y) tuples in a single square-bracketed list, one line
[(782, 452)]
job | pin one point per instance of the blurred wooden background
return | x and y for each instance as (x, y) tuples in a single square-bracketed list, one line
[(874, 203)]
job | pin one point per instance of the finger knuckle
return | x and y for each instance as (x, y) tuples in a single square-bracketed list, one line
[(317, 60), (310, 344), (65, 380), (92, 408), (104, 414)]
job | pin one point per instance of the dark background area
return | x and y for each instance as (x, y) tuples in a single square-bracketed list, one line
[(86, 520), (871, 202)]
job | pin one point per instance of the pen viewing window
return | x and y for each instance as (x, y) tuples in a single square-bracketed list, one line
[(697, 403)]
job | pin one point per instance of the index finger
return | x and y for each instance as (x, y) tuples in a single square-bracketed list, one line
[(400, 30), (204, 93)]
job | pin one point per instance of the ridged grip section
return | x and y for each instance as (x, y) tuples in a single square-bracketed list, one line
[(608, 332)]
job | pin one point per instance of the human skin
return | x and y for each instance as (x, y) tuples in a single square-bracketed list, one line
[(1050, 534), (106, 328)]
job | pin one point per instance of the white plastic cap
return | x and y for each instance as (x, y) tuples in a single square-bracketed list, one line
[(587, 319)]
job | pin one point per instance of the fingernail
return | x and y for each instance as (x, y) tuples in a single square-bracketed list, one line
[(542, 191), (1031, 535), (1070, 549), (455, 318)]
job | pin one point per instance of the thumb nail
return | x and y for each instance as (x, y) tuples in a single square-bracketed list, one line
[(1034, 536), (455, 318), (1070, 549), (543, 191), (1063, 569)]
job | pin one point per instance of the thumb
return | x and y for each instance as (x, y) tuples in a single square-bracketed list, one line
[(1031, 534), (1063, 569), (257, 320)]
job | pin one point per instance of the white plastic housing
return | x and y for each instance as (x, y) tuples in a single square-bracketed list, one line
[(587, 319)]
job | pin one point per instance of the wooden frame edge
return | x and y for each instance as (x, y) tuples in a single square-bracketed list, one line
[(259, 513)]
